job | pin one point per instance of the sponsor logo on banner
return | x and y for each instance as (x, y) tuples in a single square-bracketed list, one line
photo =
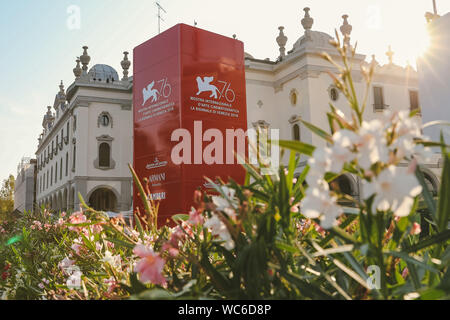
[(158, 196), (157, 179), (225, 91), (158, 94), (156, 164), (214, 97), (161, 177), (163, 90)]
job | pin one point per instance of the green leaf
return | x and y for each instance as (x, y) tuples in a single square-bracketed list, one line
[(180, 217), (297, 146), (154, 294), (139, 226), (122, 243), (410, 259), (321, 133), (291, 170), (286, 247), (443, 211), (425, 192), (427, 242)]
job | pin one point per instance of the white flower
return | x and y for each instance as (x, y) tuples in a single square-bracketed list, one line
[(423, 154), (345, 138), (226, 205), (395, 189), (371, 144), (406, 126), (66, 263), (320, 204), (340, 156), (218, 228), (320, 162), (404, 146), (113, 261)]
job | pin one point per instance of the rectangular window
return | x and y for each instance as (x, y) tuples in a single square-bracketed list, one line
[(414, 100), (56, 171), (67, 163), (60, 169), (47, 180), (378, 97), (51, 177)]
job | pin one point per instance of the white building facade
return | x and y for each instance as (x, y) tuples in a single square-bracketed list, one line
[(86, 144), (24, 186)]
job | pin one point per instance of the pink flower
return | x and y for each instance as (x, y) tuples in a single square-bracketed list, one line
[(112, 284), (416, 229), (405, 273), (77, 218), (76, 247), (195, 218), (97, 228), (151, 265), (109, 244)]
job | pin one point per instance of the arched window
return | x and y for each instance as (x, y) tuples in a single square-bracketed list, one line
[(296, 132), (104, 154)]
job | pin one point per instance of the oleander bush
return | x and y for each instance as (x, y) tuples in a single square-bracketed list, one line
[(274, 237)]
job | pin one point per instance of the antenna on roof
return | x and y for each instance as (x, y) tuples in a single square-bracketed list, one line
[(434, 7), (160, 8)]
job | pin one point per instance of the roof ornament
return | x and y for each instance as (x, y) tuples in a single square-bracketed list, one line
[(126, 63), (77, 71), (374, 61), (307, 23), (282, 40), (85, 59), (390, 55), (346, 30), (61, 88)]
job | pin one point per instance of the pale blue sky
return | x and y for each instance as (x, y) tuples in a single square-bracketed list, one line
[(38, 50)]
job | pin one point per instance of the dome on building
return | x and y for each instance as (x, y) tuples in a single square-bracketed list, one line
[(248, 55), (317, 40), (103, 73)]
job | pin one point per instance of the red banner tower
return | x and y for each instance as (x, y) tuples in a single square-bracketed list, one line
[(192, 79)]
